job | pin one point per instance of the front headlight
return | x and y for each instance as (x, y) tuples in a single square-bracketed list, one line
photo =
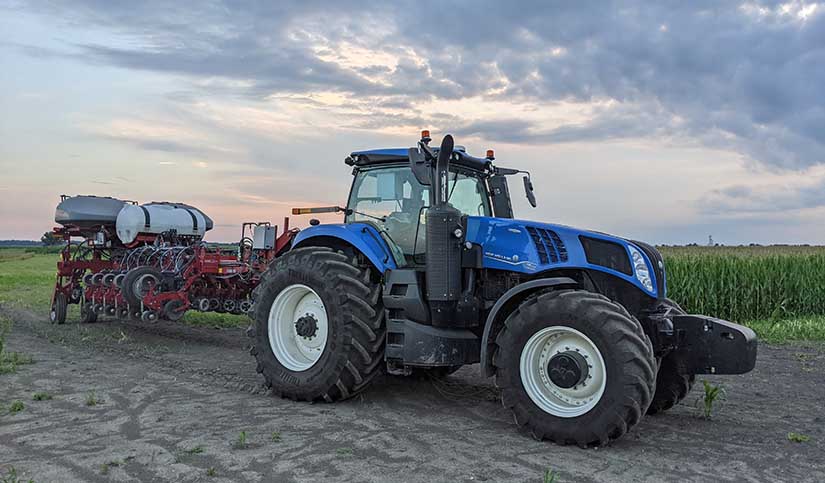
[(640, 268)]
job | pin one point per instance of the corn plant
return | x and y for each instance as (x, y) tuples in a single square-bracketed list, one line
[(712, 394), (747, 283)]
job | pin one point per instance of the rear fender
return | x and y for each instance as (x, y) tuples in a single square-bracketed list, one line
[(363, 237)]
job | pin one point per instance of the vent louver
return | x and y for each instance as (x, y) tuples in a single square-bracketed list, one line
[(548, 244)]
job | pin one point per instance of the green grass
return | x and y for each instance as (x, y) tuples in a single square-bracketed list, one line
[(10, 360), (27, 279), (778, 331)]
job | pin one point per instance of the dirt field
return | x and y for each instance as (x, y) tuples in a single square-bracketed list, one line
[(173, 401)]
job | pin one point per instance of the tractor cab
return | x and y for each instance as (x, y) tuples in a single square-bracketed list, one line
[(393, 194)]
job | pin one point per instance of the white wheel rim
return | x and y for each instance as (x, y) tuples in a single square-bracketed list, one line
[(549, 397), (295, 352)]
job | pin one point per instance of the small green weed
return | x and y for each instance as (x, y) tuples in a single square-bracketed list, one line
[(211, 472), (550, 475), (41, 396), (712, 395), (16, 407), (240, 443), (196, 450), (276, 437), (92, 399), (10, 360), (798, 437), (11, 477), (344, 451), (104, 467)]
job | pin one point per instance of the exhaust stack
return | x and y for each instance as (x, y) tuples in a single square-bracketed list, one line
[(444, 232)]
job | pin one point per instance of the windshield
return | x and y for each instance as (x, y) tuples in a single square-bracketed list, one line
[(392, 199)]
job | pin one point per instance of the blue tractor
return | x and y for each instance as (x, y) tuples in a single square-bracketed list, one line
[(430, 272)]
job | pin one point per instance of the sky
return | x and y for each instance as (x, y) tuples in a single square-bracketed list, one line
[(662, 121)]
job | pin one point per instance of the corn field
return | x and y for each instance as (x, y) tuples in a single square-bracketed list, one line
[(747, 283)]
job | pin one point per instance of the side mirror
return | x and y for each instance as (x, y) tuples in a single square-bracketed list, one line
[(419, 166), (528, 190)]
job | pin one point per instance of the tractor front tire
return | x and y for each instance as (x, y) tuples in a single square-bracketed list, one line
[(673, 383), (574, 367), (319, 327)]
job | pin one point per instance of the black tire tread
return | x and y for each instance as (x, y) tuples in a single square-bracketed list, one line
[(357, 299), (60, 308), (629, 340)]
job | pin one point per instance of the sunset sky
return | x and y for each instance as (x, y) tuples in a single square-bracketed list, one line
[(661, 121)]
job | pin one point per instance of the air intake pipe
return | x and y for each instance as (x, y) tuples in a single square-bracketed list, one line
[(443, 243)]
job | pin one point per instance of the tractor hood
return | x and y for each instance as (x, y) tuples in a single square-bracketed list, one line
[(532, 247)]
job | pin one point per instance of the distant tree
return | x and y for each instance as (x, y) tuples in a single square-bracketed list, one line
[(48, 239)]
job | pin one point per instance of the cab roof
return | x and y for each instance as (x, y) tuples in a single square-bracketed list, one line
[(373, 157)]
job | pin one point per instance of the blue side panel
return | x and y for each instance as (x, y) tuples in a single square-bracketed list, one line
[(507, 245), (362, 236)]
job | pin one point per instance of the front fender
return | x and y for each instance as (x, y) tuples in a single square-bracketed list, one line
[(363, 237), (495, 317)]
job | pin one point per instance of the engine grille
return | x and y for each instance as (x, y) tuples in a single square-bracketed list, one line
[(607, 254), (548, 244)]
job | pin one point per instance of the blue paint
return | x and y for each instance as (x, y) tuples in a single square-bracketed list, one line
[(401, 152), (507, 246), (362, 236)]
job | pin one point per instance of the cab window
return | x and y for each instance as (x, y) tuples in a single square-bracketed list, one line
[(393, 200)]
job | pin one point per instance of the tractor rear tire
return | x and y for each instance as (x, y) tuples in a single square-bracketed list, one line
[(551, 332), (672, 382), (59, 307), (351, 355)]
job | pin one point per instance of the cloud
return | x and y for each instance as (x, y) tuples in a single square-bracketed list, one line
[(744, 77), (781, 198)]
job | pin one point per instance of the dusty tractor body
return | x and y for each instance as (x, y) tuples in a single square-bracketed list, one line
[(430, 272), (150, 262)]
